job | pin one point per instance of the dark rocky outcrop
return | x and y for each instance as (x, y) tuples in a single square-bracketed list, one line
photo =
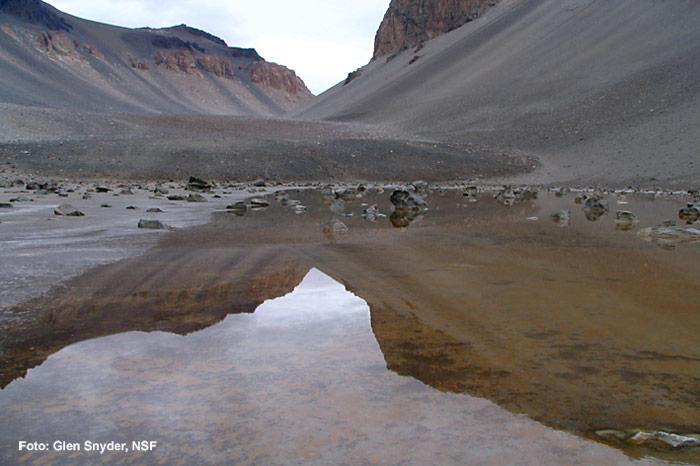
[(409, 23)]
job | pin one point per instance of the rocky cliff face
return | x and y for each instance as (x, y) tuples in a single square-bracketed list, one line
[(408, 23)]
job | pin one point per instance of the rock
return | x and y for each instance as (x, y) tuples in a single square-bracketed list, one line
[(506, 196), (669, 233), (420, 187), (102, 189), (239, 208), (625, 220), (198, 184), (471, 191), (33, 186), (196, 198), (594, 208), (149, 224), (68, 210), (161, 190), (106, 206), (126, 192), (335, 228), (562, 218), (347, 194), (154, 210), (406, 200), (259, 183), (176, 197), (258, 202), (21, 199), (6, 205), (664, 438), (299, 209), (690, 213), (131, 207), (372, 213)]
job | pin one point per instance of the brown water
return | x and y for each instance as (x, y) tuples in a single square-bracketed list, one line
[(477, 335)]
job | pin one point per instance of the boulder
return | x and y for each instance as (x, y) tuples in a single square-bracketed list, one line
[(154, 210), (68, 210), (198, 184), (690, 213), (196, 198), (5, 205), (149, 224)]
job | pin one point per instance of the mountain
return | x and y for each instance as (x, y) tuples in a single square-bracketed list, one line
[(51, 59), (597, 90)]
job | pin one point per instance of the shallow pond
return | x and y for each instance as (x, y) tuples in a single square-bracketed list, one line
[(473, 334)]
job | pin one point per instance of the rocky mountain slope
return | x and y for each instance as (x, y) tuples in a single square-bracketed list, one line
[(51, 59), (597, 90), (408, 23)]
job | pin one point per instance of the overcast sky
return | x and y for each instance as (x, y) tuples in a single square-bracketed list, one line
[(322, 40)]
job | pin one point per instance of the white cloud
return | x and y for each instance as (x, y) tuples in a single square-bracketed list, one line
[(322, 40)]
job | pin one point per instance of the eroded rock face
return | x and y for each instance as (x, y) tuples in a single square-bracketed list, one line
[(408, 23), (278, 77)]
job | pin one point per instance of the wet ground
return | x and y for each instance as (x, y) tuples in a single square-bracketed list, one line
[(473, 333)]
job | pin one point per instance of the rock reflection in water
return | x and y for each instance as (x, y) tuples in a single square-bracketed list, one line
[(300, 381)]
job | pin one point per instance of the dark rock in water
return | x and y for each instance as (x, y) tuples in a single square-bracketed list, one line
[(196, 198), (102, 189), (406, 200), (347, 194), (239, 208), (625, 220), (106, 206), (149, 224), (68, 210), (259, 183), (506, 196), (562, 218), (372, 213), (690, 213), (258, 202), (161, 190), (5, 205), (654, 439), (197, 184), (33, 186), (420, 187), (668, 233), (335, 228), (594, 208), (471, 191), (154, 210), (131, 207), (176, 197), (21, 199)]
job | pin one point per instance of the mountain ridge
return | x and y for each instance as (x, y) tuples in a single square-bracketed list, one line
[(51, 59)]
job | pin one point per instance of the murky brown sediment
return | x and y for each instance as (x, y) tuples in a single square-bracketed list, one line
[(580, 328)]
